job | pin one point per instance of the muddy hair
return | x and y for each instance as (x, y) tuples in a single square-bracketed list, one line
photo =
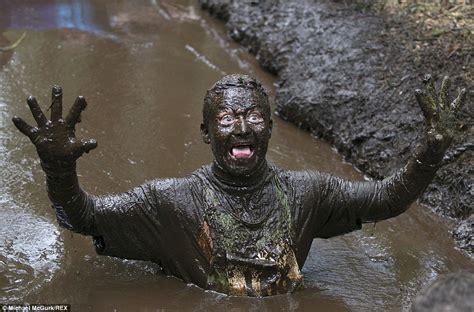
[(230, 81)]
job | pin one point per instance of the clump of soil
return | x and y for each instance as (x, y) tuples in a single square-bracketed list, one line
[(347, 72)]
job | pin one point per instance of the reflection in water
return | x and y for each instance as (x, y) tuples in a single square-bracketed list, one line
[(145, 91), (44, 15)]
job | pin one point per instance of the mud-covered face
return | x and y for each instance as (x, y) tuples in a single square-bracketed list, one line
[(238, 130)]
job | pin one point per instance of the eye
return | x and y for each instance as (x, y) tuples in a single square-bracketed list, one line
[(227, 120), (255, 118)]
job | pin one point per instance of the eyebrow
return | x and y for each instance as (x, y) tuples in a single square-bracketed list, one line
[(253, 106)]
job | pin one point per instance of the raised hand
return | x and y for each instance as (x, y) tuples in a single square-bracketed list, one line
[(55, 139), (439, 114)]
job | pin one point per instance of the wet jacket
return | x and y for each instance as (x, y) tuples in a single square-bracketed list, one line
[(241, 241)]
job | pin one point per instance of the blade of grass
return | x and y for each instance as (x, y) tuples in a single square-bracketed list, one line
[(15, 44)]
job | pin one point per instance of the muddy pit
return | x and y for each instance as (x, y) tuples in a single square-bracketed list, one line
[(144, 68)]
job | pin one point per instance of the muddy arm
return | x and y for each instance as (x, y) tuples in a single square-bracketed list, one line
[(353, 203), (363, 202), (124, 225), (345, 205), (58, 149), (74, 207)]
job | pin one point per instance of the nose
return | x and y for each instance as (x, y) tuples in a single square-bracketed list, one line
[(241, 126)]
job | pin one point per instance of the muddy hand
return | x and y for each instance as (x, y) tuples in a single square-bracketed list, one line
[(55, 139), (439, 113)]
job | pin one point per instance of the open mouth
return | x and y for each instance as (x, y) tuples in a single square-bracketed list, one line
[(241, 151)]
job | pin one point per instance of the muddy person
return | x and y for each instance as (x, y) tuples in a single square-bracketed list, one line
[(239, 225)]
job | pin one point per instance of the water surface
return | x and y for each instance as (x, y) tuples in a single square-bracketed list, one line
[(144, 67)]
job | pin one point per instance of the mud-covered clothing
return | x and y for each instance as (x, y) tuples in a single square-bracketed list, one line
[(242, 241)]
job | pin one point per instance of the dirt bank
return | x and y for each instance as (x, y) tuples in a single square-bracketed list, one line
[(347, 73)]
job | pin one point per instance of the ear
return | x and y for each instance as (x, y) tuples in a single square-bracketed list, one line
[(205, 134)]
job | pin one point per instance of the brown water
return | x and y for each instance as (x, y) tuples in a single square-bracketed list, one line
[(144, 67)]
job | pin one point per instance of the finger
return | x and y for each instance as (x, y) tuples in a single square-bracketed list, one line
[(88, 145), (459, 100), (74, 115), (430, 91), (25, 128), (57, 103), (443, 93), (424, 105), (40, 118)]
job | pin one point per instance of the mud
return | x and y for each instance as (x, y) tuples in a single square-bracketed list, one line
[(143, 67), (451, 292), (348, 75)]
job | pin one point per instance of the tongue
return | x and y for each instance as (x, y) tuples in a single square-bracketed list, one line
[(241, 152)]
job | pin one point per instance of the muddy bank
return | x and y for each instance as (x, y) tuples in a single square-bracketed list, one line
[(347, 74)]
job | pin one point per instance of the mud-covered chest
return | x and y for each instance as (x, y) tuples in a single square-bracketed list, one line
[(251, 240)]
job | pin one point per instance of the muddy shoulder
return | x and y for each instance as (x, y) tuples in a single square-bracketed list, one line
[(347, 73)]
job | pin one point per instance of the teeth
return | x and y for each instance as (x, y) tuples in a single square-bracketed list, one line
[(240, 152)]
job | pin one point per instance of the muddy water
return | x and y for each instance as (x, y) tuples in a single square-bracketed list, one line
[(144, 68)]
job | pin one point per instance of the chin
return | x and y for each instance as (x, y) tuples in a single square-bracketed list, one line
[(241, 168), (241, 172)]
